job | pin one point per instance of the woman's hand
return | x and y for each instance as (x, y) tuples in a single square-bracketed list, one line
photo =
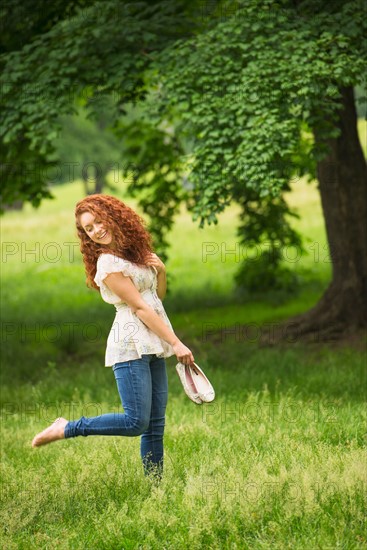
[(153, 259), (183, 353)]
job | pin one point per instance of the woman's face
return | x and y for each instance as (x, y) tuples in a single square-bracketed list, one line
[(93, 227)]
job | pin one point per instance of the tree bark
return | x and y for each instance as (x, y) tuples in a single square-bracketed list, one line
[(96, 185), (100, 181), (342, 177)]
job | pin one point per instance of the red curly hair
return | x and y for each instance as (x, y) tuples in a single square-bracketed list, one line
[(130, 234)]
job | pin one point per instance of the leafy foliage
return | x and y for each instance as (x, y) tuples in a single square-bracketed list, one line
[(265, 232), (63, 67), (248, 87), (251, 89), (245, 84), (155, 163)]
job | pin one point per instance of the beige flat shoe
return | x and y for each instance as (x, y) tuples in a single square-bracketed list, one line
[(196, 385)]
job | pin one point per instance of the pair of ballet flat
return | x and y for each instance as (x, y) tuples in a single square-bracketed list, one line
[(196, 385)]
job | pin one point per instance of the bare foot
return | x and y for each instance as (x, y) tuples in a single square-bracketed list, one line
[(52, 433)]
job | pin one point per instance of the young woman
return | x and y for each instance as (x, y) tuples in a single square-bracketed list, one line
[(119, 262)]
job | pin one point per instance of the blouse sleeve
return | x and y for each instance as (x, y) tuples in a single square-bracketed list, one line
[(108, 263)]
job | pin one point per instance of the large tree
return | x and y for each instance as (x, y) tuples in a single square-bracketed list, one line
[(263, 90), (267, 92)]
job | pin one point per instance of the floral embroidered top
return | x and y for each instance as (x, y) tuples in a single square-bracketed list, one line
[(129, 337)]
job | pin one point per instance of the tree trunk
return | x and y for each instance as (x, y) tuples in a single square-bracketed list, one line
[(342, 179), (100, 181), (85, 184), (95, 185)]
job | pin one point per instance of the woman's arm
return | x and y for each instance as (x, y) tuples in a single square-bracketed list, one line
[(161, 283), (124, 288), (154, 260)]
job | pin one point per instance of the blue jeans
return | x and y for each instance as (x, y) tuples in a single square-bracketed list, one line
[(143, 388)]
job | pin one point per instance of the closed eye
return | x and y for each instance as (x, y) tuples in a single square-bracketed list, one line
[(88, 227)]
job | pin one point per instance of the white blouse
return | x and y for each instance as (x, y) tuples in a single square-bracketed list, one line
[(129, 337)]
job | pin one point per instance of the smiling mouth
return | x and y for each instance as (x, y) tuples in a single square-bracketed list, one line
[(103, 235)]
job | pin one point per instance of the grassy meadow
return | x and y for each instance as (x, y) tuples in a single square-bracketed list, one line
[(277, 461)]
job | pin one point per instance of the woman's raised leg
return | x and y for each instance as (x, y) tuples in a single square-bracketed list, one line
[(133, 380)]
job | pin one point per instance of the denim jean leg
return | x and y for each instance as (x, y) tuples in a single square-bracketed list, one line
[(133, 381), (151, 447)]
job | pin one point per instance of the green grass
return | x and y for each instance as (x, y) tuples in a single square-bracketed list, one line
[(277, 461)]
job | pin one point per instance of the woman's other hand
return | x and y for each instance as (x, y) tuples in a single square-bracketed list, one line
[(183, 353), (153, 259)]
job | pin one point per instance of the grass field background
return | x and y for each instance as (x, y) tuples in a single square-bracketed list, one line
[(277, 461)]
